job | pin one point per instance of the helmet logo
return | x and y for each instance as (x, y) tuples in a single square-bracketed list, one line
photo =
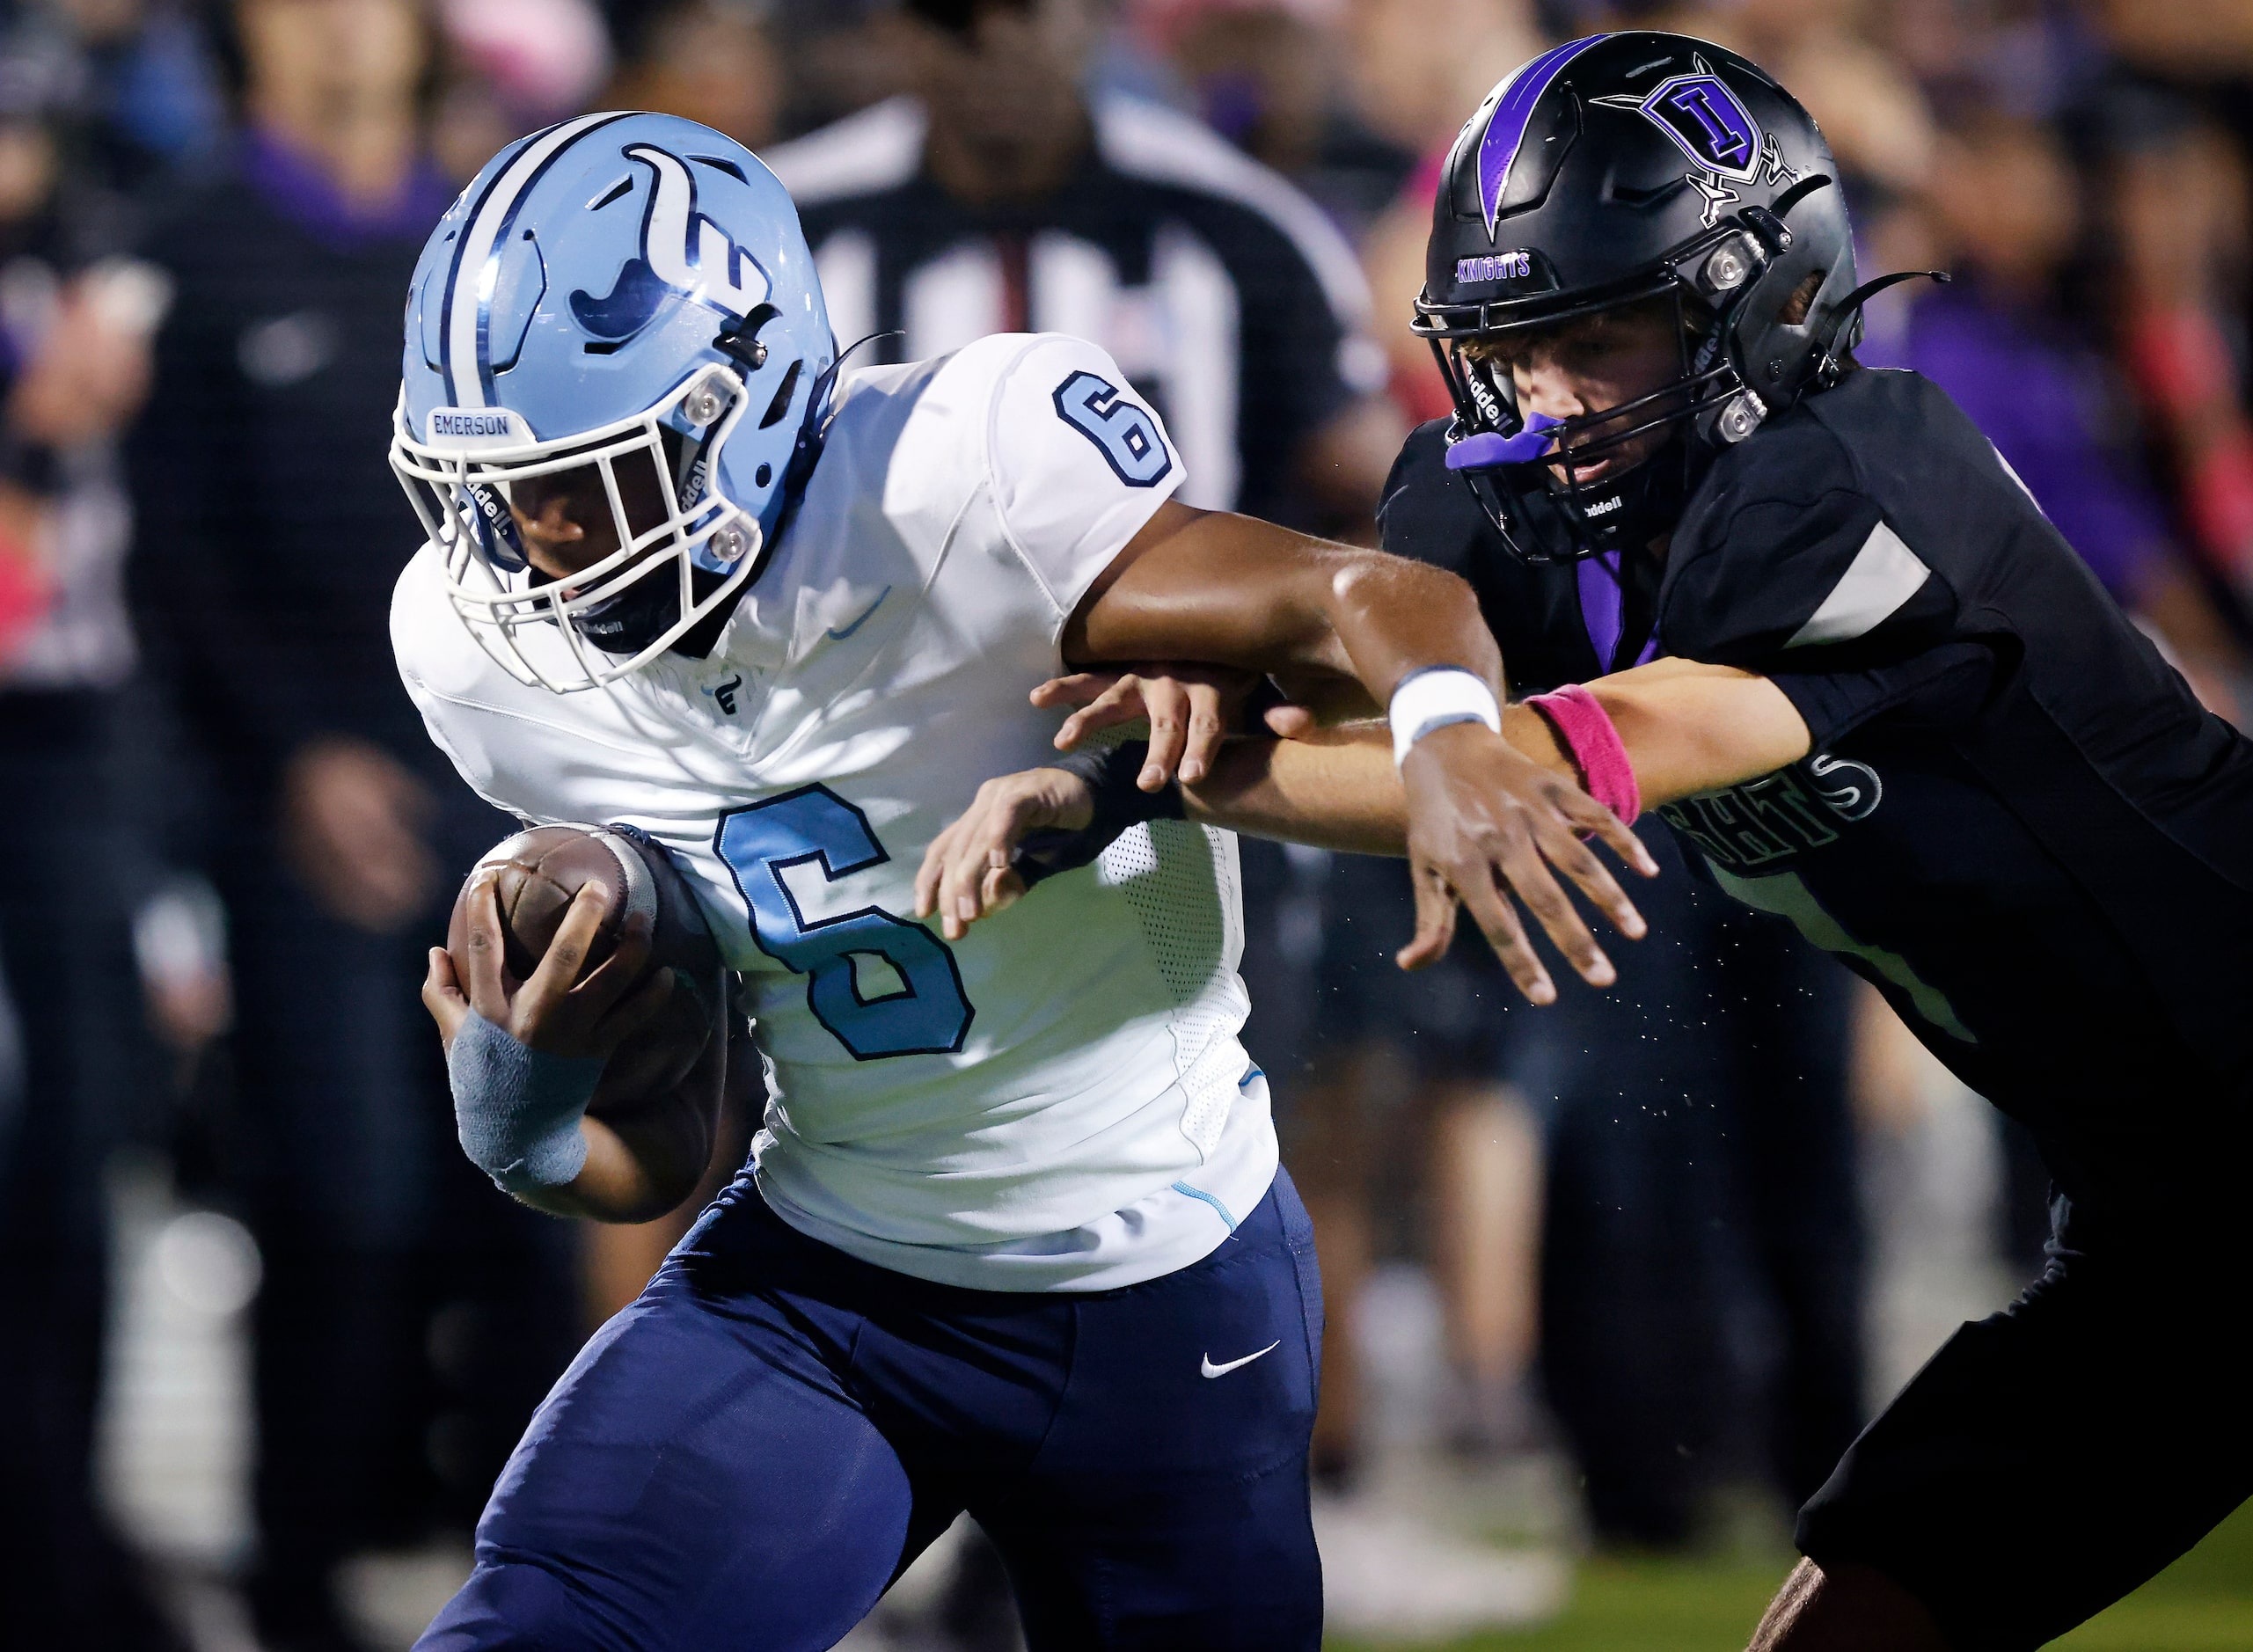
[(1707, 122), (683, 253)]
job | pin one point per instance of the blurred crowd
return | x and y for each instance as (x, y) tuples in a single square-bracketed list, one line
[(231, 841)]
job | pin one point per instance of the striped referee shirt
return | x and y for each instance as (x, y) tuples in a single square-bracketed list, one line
[(1227, 297)]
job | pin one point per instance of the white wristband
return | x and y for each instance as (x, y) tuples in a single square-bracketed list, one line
[(1435, 697)]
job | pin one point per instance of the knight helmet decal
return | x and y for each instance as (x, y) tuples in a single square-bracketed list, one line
[(682, 252), (1707, 120)]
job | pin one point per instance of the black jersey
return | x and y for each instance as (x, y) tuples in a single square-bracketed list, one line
[(2017, 823)]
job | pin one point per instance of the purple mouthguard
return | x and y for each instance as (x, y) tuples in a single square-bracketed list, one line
[(1487, 447)]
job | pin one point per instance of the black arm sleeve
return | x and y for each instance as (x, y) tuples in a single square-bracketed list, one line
[(1110, 773), (1941, 688)]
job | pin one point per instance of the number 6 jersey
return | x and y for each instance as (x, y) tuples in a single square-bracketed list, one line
[(1058, 1100)]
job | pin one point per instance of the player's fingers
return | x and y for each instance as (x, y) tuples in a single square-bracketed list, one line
[(933, 871), (481, 974), (1570, 855), (1519, 866), (946, 849), (1496, 917), (954, 892), (1010, 807), (927, 874), (558, 970), (1435, 920), (442, 995), (956, 855), (1289, 722), (970, 854), (611, 980), (1166, 701), (1076, 690), (1005, 826), (1593, 818), (1207, 727), (1002, 889), (1121, 702)]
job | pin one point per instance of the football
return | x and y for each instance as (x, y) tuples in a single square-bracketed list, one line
[(537, 874)]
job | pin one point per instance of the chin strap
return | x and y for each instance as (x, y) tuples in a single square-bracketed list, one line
[(1827, 364), (814, 430)]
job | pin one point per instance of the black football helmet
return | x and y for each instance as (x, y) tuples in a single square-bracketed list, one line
[(1625, 169)]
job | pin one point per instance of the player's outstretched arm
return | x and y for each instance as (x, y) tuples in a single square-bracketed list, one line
[(641, 1156), (1685, 727), (1486, 825)]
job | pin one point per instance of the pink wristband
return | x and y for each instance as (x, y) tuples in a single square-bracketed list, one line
[(1586, 731)]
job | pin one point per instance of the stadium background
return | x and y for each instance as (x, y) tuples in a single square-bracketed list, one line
[(263, 1338)]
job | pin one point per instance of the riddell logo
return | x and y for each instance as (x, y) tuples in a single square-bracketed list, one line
[(1490, 404), (1603, 507)]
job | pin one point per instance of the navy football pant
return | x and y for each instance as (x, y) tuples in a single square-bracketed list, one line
[(749, 1455)]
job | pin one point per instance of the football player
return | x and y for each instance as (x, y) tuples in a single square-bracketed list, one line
[(1013, 1239), (1805, 610)]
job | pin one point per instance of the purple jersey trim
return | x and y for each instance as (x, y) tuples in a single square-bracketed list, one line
[(1506, 132)]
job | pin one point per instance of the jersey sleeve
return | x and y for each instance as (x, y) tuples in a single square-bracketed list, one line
[(1078, 462), (1938, 689), (1805, 580)]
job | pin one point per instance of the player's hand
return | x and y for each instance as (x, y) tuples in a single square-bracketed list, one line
[(1189, 708), (1486, 824), (555, 1010), (966, 872)]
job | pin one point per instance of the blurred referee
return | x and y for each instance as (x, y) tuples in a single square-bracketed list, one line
[(997, 197)]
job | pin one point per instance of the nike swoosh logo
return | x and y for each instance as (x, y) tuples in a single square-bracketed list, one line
[(1211, 1370), (839, 636)]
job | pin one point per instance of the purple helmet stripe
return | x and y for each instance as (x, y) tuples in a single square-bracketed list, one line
[(1506, 126)]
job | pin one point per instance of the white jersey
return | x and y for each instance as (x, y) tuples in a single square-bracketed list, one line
[(1057, 1101)]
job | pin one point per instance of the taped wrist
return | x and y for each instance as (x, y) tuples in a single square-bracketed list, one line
[(517, 1109), (1434, 697), (1591, 740), (1110, 773)]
